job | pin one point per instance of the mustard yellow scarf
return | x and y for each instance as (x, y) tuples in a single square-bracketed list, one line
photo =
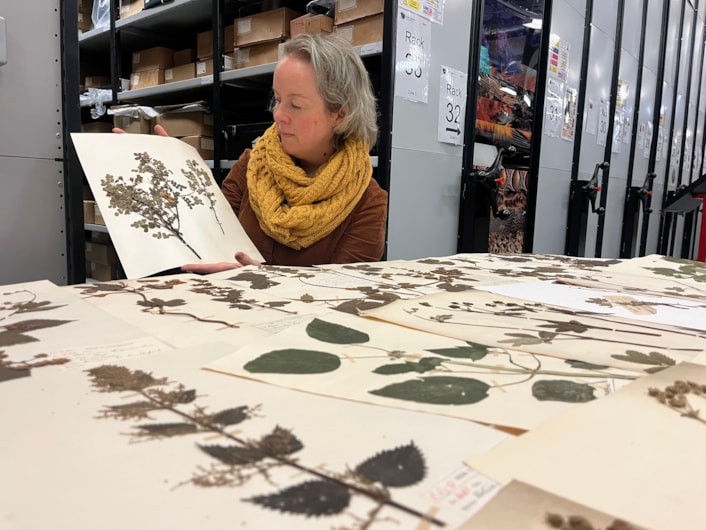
[(295, 209)]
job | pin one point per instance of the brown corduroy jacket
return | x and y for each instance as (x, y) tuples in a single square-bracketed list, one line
[(360, 237)]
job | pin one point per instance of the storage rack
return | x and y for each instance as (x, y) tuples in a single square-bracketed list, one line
[(231, 93)]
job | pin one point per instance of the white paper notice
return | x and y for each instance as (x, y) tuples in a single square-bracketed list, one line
[(452, 105), (413, 57)]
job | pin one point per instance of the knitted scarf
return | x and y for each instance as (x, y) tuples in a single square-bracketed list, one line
[(295, 209)]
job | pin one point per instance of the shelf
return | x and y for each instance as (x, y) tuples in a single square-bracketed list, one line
[(95, 228), (95, 40), (170, 22), (187, 85)]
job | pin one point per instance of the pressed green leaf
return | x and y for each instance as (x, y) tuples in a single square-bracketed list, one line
[(438, 390), (425, 364), (314, 498), (473, 351), (395, 468), (394, 369), (563, 390), (294, 361), (335, 333)]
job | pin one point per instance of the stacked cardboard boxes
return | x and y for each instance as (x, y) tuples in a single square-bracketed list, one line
[(148, 66), (130, 7), (257, 37), (310, 23), (359, 21)]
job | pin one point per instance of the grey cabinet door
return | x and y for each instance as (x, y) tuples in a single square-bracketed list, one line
[(32, 218)]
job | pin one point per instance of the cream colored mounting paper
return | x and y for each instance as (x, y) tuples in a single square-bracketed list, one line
[(502, 321), (520, 506), (186, 309), (182, 217), (626, 454), (42, 322), (70, 430), (348, 357)]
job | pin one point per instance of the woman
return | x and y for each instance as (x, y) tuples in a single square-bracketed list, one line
[(304, 194)]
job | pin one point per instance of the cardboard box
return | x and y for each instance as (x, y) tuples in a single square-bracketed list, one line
[(267, 52), (89, 212), (348, 10), (97, 127), (85, 6), (101, 272), (262, 27), (97, 81), (101, 253), (194, 123), (130, 7), (146, 78), (85, 23), (182, 57), (139, 125), (362, 31), (204, 42), (152, 59), (204, 68), (180, 73), (312, 24), (202, 144), (97, 216)]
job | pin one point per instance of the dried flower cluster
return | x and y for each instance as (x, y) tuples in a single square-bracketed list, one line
[(675, 397), (577, 522)]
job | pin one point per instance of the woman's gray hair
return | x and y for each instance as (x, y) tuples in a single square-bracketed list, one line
[(343, 83)]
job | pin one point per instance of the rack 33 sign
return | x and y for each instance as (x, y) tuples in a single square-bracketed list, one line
[(413, 57)]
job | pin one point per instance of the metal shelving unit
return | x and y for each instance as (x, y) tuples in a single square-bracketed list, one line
[(171, 25)]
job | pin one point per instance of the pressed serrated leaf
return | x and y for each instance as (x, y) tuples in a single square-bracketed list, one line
[(335, 333), (167, 429), (231, 416), (280, 442), (294, 361), (473, 351), (438, 390), (112, 378), (395, 468), (314, 498), (235, 455), (563, 390)]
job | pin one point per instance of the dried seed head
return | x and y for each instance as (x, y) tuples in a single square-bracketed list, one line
[(555, 520), (678, 402)]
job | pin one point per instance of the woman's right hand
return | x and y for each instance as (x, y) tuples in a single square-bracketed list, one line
[(242, 259), (158, 130)]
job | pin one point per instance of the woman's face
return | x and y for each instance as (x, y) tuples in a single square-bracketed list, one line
[(305, 124)]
